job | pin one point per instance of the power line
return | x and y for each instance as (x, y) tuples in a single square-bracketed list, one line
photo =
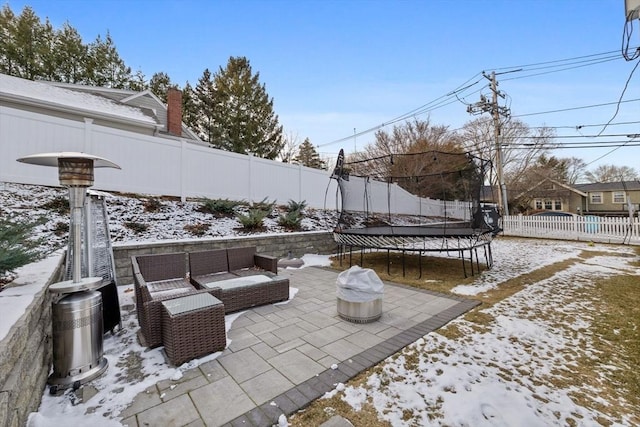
[(576, 108), (578, 127), (557, 60), (618, 145), (413, 113), (620, 99), (559, 70), (444, 100), (565, 136)]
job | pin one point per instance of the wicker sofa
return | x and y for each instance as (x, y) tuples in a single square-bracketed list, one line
[(239, 277)]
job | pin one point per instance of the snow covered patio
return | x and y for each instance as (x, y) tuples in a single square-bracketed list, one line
[(279, 358)]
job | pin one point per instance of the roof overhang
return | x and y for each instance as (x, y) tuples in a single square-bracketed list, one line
[(23, 100)]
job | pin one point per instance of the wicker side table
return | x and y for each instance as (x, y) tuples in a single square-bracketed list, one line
[(192, 326)]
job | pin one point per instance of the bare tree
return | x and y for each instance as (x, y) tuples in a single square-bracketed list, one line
[(290, 147), (478, 137), (408, 138), (612, 173), (576, 169)]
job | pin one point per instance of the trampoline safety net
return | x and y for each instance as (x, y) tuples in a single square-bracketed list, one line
[(427, 201)]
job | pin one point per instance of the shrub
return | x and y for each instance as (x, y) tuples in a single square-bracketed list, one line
[(59, 204), (264, 205), (199, 229), (152, 205), (136, 227), (253, 220), (291, 220), (17, 245), (293, 206), (218, 207), (61, 228)]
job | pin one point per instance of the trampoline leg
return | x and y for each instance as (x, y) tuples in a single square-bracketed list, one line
[(388, 263), (403, 273), (350, 255), (490, 256), (464, 267), (420, 264), (362, 257), (487, 257), (477, 260)]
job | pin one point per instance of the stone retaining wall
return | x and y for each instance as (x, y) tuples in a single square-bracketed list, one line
[(274, 244), (26, 358)]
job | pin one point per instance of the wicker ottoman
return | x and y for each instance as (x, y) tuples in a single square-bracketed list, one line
[(192, 326)]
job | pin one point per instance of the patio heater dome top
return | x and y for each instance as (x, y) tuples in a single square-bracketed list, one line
[(51, 159), (74, 169)]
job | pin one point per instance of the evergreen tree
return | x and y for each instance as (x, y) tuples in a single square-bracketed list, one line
[(17, 246), (243, 116), (138, 82), (106, 68), (47, 53), (160, 84), (7, 45), (205, 100), (32, 50), (26, 35), (72, 55), (308, 156), (189, 107)]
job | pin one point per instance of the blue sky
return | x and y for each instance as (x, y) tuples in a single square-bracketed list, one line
[(335, 66)]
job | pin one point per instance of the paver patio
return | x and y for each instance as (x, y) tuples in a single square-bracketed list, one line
[(284, 356)]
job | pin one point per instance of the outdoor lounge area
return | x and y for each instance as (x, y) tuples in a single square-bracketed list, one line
[(283, 356), (183, 309)]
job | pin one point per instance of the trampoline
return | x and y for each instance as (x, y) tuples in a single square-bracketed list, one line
[(434, 209)]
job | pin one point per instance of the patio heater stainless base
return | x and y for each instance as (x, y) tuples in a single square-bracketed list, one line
[(76, 381), (77, 339)]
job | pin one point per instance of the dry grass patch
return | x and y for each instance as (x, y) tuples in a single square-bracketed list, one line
[(438, 274), (616, 336)]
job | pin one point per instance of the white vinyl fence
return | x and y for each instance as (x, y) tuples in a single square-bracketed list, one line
[(583, 228), (152, 165)]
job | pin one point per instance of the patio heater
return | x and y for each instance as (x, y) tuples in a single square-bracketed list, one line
[(77, 324)]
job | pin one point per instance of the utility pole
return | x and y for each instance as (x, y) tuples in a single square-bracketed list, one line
[(355, 148), (486, 106)]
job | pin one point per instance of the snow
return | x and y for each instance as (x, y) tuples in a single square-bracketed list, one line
[(49, 94), (31, 280), (503, 373)]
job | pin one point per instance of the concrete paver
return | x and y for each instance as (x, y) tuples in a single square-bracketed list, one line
[(283, 356), (220, 402), (244, 364), (174, 413), (266, 386)]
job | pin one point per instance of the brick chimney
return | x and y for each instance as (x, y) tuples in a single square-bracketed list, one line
[(174, 112)]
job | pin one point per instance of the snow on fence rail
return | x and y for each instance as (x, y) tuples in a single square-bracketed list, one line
[(586, 228)]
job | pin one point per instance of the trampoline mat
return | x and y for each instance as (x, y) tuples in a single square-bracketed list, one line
[(459, 230)]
